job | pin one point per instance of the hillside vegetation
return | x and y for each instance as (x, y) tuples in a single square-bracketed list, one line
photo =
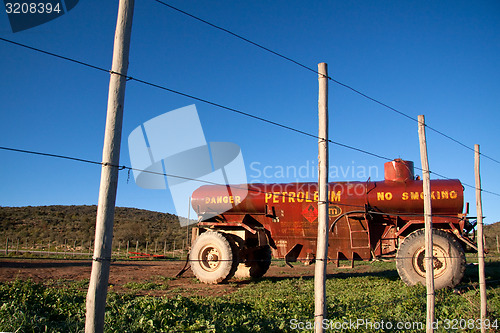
[(491, 232), (57, 223)]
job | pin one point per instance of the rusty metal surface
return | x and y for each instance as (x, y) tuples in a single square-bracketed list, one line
[(399, 170), (289, 211)]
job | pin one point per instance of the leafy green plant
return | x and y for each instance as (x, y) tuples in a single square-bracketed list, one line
[(145, 286), (267, 305)]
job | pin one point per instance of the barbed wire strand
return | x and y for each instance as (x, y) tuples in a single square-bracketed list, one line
[(357, 91), (210, 103), (259, 191)]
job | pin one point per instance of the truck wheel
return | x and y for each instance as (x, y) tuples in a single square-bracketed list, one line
[(449, 259), (256, 264), (212, 258)]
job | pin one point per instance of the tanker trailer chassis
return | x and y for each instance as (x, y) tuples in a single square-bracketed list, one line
[(239, 231)]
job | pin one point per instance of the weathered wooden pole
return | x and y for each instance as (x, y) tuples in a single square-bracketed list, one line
[(429, 260), (480, 238), (187, 224), (322, 242), (98, 286)]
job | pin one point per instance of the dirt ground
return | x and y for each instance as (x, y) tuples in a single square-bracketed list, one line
[(160, 272)]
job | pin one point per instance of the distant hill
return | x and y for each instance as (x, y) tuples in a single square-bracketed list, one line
[(491, 231), (53, 223), (78, 223)]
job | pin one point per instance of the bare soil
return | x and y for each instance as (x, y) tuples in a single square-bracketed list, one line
[(159, 272)]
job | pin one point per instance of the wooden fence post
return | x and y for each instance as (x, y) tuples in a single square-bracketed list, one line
[(480, 238), (101, 259), (322, 237), (429, 262)]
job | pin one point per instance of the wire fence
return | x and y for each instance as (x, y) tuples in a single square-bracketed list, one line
[(73, 248), (68, 248)]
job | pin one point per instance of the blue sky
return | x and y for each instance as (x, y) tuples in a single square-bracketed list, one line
[(434, 58)]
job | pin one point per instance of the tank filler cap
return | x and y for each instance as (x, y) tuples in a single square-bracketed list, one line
[(398, 170)]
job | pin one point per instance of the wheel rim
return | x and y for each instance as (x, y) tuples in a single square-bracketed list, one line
[(210, 258), (439, 261)]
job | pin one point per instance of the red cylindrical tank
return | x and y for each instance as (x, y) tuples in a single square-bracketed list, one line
[(407, 197), (398, 193), (384, 196)]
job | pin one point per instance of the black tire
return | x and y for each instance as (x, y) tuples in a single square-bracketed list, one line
[(449, 259), (212, 258), (256, 264)]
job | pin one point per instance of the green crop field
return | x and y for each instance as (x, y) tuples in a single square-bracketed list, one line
[(372, 301)]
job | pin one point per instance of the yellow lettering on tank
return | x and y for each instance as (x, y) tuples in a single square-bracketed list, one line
[(435, 195), (291, 196), (237, 199), (268, 196), (335, 196), (384, 196), (284, 196), (219, 199), (316, 196), (300, 197), (307, 197), (276, 197)]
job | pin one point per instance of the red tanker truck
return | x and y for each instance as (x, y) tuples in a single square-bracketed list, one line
[(240, 227)]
